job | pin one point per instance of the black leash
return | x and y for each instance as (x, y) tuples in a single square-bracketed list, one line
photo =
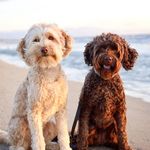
[(75, 120), (73, 138)]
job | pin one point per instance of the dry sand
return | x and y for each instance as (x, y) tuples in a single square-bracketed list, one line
[(138, 112)]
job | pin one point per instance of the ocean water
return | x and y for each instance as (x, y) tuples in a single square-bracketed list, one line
[(136, 81)]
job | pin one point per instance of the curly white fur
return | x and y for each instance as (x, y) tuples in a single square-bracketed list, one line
[(43, 93)]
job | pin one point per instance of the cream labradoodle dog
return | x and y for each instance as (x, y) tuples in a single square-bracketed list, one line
[(43, 93)]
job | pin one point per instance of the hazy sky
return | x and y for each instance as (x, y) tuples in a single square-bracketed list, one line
[(131, 16)]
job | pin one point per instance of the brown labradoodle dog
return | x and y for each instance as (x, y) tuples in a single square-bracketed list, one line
[(102, 119)]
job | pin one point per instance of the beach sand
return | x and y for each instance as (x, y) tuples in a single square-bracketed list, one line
[(138, 111)]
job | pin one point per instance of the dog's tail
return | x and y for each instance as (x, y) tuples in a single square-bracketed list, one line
[(4, 137)]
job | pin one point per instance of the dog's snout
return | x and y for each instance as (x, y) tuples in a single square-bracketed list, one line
[(108, 59), (44, 50)]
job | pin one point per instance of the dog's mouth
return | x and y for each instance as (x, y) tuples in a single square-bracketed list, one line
[(46, 61), (106, 70), (106, 67), (47, 56), (44, 55)]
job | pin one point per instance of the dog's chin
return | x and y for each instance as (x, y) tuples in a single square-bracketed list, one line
[(106, 72), (47, 62)]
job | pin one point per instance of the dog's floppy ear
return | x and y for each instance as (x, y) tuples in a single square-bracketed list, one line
[(88, 53), (21, 48), (129, 58), (67, 44)]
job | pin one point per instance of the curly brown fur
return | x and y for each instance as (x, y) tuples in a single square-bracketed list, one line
[(102, 119)]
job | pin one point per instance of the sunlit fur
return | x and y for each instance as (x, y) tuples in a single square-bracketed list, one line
[(57, 47), (109, 45), (43, 93)]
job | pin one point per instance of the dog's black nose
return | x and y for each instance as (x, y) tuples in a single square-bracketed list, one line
[(44, 50), (108, 59)]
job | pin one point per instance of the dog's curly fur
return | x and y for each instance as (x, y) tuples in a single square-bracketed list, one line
[(102, 120), (43, 93)]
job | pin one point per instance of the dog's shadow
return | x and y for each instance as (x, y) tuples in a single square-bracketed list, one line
[(100, 148), (6, 147)]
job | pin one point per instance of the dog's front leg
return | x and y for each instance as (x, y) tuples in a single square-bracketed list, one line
[(121, 124), (36, 129), (82, 140), (62, 129)]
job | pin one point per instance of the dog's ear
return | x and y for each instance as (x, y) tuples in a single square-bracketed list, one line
[(67, 43), (129, 58), (21, 48), (88, 53)]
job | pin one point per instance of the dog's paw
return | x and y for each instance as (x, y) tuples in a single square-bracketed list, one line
[(66, 148), (127, 147), (52, 146), (16, 148)]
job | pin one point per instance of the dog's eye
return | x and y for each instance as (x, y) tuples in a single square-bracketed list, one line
[(51, 38), (102, 50), (36, 40), (118, 54)]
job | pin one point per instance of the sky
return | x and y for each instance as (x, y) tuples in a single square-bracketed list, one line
[(80, 16)]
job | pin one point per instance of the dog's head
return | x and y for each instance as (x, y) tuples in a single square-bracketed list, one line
[(44, 45), (107, 53)]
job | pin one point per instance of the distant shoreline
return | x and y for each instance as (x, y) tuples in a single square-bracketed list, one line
[(84, 32)]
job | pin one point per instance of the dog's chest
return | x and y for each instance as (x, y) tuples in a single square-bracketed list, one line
[(48, 93), (102, 114), (105, 97)]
